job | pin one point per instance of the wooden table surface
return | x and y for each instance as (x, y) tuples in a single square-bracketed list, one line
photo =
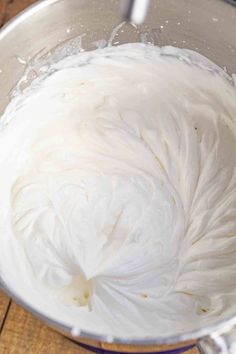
[(20, 332)]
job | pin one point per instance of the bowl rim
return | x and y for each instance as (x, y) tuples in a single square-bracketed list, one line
[(218, 327)]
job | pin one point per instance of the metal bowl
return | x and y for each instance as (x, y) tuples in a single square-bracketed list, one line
[(207, 26)]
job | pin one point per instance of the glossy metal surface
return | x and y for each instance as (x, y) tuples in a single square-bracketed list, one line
[(207, 26), (134, 10)]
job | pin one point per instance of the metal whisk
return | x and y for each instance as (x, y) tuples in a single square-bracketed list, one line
[(134, 10)]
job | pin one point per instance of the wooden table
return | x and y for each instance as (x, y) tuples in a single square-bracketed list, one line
[(20, 332)]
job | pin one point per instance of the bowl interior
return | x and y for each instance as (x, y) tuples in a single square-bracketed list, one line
[(207, 26)]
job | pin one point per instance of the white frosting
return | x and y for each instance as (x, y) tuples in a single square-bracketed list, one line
[(118, 209)]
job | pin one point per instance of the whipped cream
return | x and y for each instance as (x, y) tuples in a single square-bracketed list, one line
[(118, 192)]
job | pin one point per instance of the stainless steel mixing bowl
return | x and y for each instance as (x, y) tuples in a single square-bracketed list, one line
[(207, 26)]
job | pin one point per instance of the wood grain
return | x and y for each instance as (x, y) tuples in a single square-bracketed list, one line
[(20, 332), (4, 305), (12, 7), (3, 5), (24, 334)]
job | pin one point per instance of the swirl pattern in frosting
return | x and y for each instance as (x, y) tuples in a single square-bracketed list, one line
[(119, 192)]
